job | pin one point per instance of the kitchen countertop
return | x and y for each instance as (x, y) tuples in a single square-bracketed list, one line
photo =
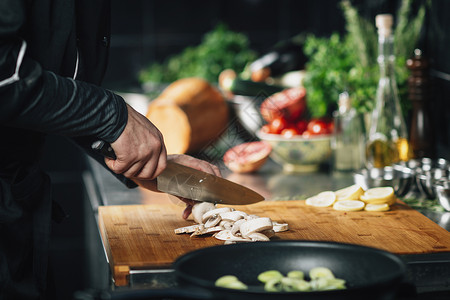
[(429, 272)]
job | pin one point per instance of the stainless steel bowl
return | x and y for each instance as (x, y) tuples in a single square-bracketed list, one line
[(428, 179), (401, 179), (426, 173), (443, 193)]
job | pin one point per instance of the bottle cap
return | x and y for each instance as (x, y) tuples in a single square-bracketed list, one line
[(384, 23)]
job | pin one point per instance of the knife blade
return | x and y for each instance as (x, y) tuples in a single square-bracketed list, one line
[(190, 183)]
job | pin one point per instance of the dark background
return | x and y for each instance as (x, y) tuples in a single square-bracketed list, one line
[(145, 31)]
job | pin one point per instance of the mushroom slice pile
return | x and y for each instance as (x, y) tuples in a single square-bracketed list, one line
[(230, 225)]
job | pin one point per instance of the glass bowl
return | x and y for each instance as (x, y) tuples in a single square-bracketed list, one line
[(298, 154)]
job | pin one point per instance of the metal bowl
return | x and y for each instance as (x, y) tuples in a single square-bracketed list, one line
[(427, 181), (427, 172), (400, 179), (443, 193)]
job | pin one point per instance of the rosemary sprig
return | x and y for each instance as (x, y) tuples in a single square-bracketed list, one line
[(361, 34), (408, 28)]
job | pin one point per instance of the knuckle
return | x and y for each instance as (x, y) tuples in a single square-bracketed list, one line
[(117, 168)]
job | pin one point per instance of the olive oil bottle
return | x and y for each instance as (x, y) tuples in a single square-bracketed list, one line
[(387, 140)]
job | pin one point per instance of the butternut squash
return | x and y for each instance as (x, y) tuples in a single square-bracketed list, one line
[(190, 113)]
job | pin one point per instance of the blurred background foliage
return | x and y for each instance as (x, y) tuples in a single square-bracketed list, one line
[(220, 49)]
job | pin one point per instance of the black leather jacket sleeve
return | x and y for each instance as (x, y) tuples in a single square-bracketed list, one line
[(36, 99)]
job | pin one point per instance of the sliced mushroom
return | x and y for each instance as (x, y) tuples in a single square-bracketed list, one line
[(255, 225), (244, 214), (212, 212), (189, 229), (269, 233), (213, 221), (232, 216), (251, 217), (258, 237), (237, 240), (226, 224), (236, 226), (279, 227), (225, 235), (199, 209), (207, 231), (230, 225)]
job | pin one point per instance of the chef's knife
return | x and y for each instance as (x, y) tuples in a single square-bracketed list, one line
[(186, 182)]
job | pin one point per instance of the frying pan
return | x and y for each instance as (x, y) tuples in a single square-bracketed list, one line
[(369, 273)]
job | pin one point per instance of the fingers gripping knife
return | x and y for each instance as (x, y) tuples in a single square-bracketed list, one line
[(186, 182)]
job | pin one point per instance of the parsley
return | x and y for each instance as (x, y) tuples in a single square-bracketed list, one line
[(220, 49)]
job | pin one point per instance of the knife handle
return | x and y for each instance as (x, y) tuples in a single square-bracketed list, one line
[(104, 148)]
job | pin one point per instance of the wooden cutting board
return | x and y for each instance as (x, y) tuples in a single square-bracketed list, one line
[(142, 236)]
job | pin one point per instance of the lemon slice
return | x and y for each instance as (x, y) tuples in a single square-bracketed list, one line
[(323, 199), (352, 192), (379, 195), (349, 205), (377, 207)]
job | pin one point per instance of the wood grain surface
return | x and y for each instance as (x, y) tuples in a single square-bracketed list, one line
[(142, 236)]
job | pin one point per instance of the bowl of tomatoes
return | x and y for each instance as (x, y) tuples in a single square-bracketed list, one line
[(299, 143), (298, 153)]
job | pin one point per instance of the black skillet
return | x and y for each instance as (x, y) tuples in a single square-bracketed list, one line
[(370, 273)]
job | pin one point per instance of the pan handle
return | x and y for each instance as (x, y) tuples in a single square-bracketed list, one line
[(143, 294)]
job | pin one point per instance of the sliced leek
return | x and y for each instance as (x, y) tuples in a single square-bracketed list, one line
[(321, 279), (230, 282), (269, 275)]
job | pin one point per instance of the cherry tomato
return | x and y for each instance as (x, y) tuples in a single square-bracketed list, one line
[(329, 123), (278, 124), (266, 128), (317, 126), (290, 132), (306, 134), (301, 126)]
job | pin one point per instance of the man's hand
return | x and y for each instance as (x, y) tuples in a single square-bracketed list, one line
[(140, 150), (195, 163)]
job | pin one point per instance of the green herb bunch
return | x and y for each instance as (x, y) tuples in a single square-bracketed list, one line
[(349, 62), (220, 49)]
